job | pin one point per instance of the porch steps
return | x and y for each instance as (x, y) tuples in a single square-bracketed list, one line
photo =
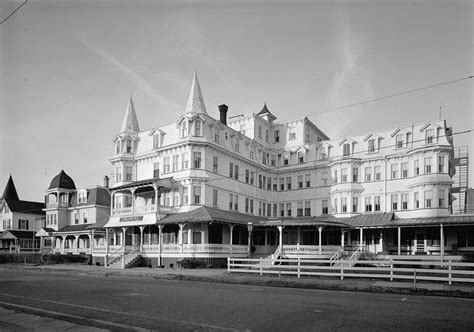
[(130, 261)]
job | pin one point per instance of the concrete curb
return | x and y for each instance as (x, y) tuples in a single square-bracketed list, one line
[(220, 276)]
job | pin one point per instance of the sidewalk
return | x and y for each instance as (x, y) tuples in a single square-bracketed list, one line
[(221, 276)]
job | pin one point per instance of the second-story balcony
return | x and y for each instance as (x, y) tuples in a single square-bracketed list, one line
[(129, 211)]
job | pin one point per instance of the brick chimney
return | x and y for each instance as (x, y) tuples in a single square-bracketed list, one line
[(223, 112)]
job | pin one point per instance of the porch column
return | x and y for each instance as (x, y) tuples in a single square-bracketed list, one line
[(231, 228), (141, 238), (124, 230), (106, 245), (112, 202), (249, 241), (399, 240), (180, 237), (381, 240), (441, 240), (342, 238), (133, 199), (320, 239), (361, 238), (76, 242), (160, 239), (298, 237), (41, 244), (91, 245), (156, 196), (280, 239)]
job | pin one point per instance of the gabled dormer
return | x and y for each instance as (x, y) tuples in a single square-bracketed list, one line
[(373, 142), (401, 138), (323, 150), (347, 146), (191, 125), (431, 132), (157, 136)]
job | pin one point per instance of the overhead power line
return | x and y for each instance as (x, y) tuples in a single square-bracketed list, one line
[(391, 96)]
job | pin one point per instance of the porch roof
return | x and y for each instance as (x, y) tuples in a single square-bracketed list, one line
[(11, 234), (76, 228), (326, 220), (205, 213), (162, 182), (387, 220)]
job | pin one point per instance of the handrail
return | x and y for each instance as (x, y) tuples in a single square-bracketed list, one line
[(336, 256), (117, 252), (356, 254), (276, 254), (133, 252)]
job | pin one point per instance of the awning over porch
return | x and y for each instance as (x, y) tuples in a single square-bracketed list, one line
[(132, 220), (388, 220), (328, 220)]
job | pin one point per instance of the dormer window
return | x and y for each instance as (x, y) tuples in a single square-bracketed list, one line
[(300, 157), (64, 198), (117, 147), (198, 128), (346, 149), (322, 153), (156, 141), (52, 198), (371, 146), (237, 144), (286, 160), (82, 197), (129, 146), (429, 136), (399, 141), (184, 129)]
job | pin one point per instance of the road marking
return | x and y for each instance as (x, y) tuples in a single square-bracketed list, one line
[(81, 318), (405, 299), (223, 328), (318, 311), (136, 294)]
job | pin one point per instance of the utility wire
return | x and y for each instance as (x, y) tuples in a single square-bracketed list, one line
[(220, 177), (391, 96), (11, 14)]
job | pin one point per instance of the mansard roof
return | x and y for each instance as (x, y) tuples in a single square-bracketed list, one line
[(10, 190), (130, 121), (95, 196), (195, 102), (62, 181)]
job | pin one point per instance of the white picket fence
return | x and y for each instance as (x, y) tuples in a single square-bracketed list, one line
[(414, 270)]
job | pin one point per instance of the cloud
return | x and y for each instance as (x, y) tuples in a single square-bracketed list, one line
[(168, 106)]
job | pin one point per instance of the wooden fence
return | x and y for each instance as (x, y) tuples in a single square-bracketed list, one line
[(414, 270)]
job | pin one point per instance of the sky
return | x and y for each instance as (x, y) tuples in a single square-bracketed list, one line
[(68, 68)]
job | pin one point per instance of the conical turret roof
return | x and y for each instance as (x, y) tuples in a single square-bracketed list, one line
[(195, 100), (10, 190), (130, 121), (63, 181)]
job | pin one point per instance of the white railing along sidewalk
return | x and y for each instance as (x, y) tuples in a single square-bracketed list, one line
[(415, 270)]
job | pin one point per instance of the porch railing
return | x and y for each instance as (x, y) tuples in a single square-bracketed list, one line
[(174, 248), (114, 256)]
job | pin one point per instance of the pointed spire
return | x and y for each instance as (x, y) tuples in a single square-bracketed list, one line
[(195, 100), (264, 109), (130, 122), (10, 190)]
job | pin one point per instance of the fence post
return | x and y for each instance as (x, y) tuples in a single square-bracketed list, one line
[(414, 279), (228, 264), (391, 269), (261, 266), (342, 270), (298, 267), (450, 273)]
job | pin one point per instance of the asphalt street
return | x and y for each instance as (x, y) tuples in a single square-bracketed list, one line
[(141, 303)]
